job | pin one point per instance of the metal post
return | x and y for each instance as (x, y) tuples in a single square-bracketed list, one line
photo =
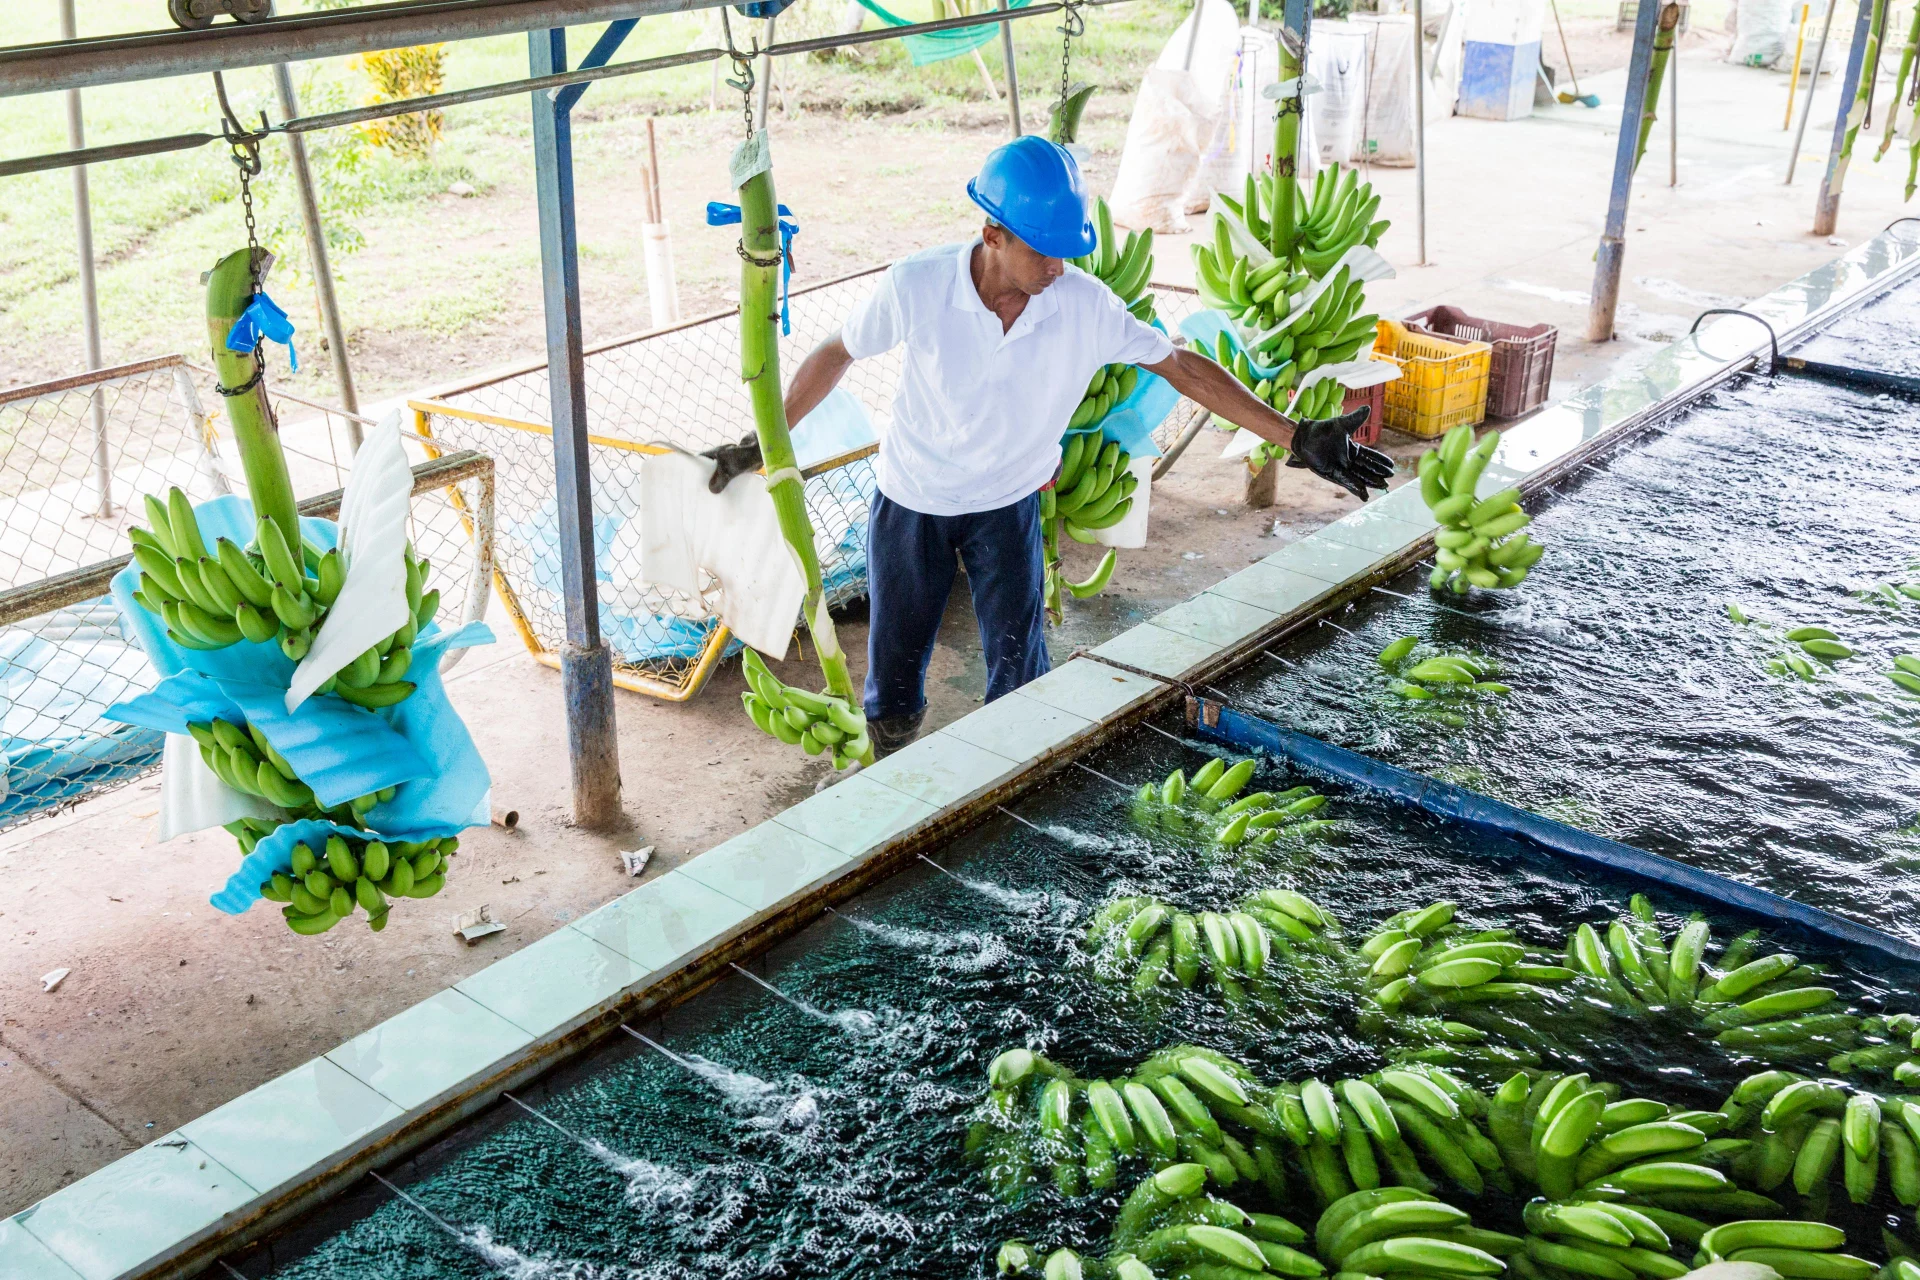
[(317, 252), (1193, 33), (586, 667), (1013, 75), (766, 77), (1613, 240), (1420, 128), (1826, 210), (1673, 119), (1806, 109), (89, 294)]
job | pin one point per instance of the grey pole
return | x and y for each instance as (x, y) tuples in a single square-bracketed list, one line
[(766, 77), (1613, 240), (317, 251), (1813, 82), (89, 294), (1013, 75), (1826, 210), (1420, 128), (1673, 116), (586, 666)]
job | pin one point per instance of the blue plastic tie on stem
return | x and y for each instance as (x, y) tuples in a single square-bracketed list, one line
[(263, 318), (722, 214)]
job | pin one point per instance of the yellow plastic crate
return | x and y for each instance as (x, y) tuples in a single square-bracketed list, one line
[(1442, 383)]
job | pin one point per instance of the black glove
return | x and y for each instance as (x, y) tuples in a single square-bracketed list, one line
[(732, 460), (1325, 447)]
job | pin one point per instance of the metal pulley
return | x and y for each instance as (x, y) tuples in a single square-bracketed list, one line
[(194, 14)]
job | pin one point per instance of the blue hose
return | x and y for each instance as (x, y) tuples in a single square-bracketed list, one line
[(1456, 804)]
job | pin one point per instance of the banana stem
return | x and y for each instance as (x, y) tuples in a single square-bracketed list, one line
[(1286, 150), (1663, 38), (1050, 549), (229, 290), (1869, 70), (1900, 85), (760, 370)]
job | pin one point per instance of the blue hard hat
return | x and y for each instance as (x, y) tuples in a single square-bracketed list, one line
[(1032, 187)]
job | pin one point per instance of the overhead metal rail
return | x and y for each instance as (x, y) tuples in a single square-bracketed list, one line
[(154, 55), (535, 84)]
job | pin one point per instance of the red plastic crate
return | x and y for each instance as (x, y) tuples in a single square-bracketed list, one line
[(1522, 368), (1375, 398)]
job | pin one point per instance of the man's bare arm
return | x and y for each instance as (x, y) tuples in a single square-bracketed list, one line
[(817, 375), (1212, 386)]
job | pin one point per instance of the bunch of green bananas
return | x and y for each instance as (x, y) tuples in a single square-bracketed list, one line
[(1418, 960), (1205, 805), (1094, 491), (1479, 543), (1111, 384), (1765, 1006), (1804, 1130), (240, 756), (1396, 1230), (1598, 1238), (1891, 595), (816, 721), (326, 885), (1889, 1046), (1804, 1250), (1323, 226), (1816, 644), (1160, 944), (1434, 680), (1123, 267), (1170, 1226), (1183, 1103), (210, 600), (1323, 399), (1258, 298), (1811, 644), (1331, 330)]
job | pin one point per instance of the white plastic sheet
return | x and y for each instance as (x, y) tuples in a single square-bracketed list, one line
[(373, 530), (733, 536)]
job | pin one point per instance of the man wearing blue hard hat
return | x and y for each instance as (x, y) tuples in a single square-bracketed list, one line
[(1001, 337)]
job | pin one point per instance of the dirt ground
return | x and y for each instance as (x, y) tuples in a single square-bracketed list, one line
[(171, 1010)]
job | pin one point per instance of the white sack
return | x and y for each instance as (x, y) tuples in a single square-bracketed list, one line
[(1173, 120)]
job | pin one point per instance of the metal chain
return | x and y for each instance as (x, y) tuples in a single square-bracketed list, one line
[(742, 70), (244, 149), (1071, 25)]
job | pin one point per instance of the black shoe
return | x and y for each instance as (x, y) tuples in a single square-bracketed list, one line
[(895, 732)]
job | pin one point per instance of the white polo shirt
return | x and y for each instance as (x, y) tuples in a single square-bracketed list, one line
[(979, 415)]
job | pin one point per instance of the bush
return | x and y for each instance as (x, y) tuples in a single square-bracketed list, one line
[(398, 74)]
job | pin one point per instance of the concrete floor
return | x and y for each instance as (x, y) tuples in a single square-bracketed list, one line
[(172, 1009)]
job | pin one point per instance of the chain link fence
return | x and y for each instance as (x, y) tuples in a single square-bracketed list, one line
[(675, 387), (77, 455)]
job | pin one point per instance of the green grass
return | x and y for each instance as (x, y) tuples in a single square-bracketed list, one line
[(160, 220)]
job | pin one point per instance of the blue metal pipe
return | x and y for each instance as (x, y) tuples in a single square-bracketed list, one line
[(1456, 804), (602, 52)]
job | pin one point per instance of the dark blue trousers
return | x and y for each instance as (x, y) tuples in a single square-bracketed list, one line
[(910, 568)]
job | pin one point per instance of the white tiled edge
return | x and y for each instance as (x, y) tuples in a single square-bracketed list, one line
[(1304, 570)]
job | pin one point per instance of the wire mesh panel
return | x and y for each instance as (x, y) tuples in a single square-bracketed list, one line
[(673, 387), (76, 454), (76, 457)]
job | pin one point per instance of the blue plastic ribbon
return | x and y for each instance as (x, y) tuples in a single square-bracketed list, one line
[(263, 318), (721, 214)]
